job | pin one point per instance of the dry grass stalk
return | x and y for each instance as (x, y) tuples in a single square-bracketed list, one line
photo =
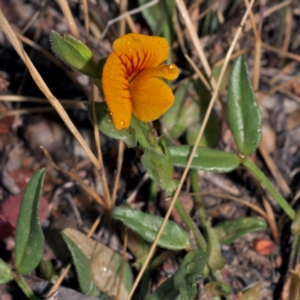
[(118, 174), (84, 185), (64, 5)]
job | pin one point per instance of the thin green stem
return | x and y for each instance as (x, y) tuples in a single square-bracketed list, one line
[(198, 198), (261, 177), (25, 287), (191, 225)]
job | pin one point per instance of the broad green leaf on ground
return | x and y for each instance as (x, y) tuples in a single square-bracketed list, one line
[(215, 260), (158, 163), (97, 265), (173, 237), (229, 231), (74, 54), (82, 265), (6, 274), (29, 235), (189, 273), (217, 289), (206, 159), (107, 127), (243, 113)]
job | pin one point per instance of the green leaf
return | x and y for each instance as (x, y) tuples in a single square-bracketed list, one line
[(243, 113), (159, 17), (97, 266), (74, 54), (182, 114), (229, 231), (29, 234), (173, 236), (158, 163), (189, 273), (215, 260), (6, 274), (107, 127), (206, 159), (296, 224), (83, 269)]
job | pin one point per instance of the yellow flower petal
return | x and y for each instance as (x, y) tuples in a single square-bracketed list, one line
[(151, 96), (138, 52), (116, 91)]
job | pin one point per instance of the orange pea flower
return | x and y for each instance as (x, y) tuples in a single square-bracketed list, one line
[(132, 79)]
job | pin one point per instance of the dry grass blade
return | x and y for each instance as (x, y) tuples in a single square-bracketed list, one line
[(71, 74), (95, 94), (200, 134), (21, 98), (119, 168), (86, 22), (37, 110), (64, 5), (127, 14), (236, 199), (84, 185), (257, 53), (44, 88)]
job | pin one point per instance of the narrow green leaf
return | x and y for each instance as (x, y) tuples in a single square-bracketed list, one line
[(83, 269), (6, 274), (215, 260), (159, 17), (182, 114), (29, 234), (243, 113), (173, 237), (189, 273), (107, 127), (74, 54), (206, 159), (296, 224), (229, 231), (263, 179)]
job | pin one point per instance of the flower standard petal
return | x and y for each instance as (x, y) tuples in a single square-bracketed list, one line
[(139, 52), (115, 87), (150, 95)]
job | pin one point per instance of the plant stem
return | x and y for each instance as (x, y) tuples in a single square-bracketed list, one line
[(261, 177), (141, 130), (201, 243), (25, 287), (198, 198)]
